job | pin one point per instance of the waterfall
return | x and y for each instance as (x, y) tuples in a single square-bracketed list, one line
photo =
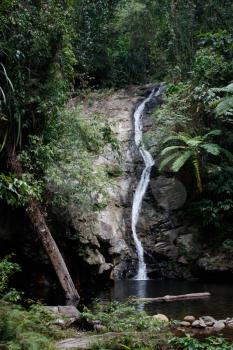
[(144, 180)]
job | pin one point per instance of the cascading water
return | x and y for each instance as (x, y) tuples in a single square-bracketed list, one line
[(143, 183)]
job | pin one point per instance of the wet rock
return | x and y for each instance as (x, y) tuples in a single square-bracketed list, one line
[(161, 317), (218, 326), (190, 319), (199, 324), (208, 320)]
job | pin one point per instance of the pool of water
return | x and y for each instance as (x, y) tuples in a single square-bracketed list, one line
[(219, 305)]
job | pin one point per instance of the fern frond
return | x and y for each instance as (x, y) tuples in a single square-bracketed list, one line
[(180, 137), (195, 141), (180, 161), (228, 88), (224, 105), (215, 132), (168, 159), (211, 148), (171, 148)]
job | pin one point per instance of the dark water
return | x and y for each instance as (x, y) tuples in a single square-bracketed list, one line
[(219, 305)]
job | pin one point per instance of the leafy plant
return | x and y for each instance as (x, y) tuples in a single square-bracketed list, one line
[(26, 330), (123, 317), (185, 148), (211, 343), (224, 104), (7, 269), (17, 191)]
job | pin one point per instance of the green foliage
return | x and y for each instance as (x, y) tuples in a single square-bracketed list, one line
[(25, 330), (215, 209), (17, 191), (120, 317), (224, 105), (66, 156), (210, 67), (185, 147), (7, 269), (36, 53), (174, 115), (211, 343)]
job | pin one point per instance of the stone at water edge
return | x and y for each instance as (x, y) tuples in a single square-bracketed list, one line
[(208, 320), (185, 324), (218, 326), (161, 317), (190, 319), (199, 324)]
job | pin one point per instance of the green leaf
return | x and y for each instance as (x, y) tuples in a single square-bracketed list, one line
[(215, 132), (168, 159), (177, 165), (171, 148), (224, 106), (211, 148)]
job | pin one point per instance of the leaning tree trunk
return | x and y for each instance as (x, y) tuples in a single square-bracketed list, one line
[(38, 221)]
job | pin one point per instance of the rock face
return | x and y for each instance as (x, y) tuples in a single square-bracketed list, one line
[(105, 243), (166, 237), (169, 237)]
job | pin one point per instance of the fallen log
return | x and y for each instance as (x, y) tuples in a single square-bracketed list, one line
[(168, 298)]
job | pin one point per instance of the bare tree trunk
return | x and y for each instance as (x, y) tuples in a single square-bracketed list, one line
[(168, 298), (38, 221)]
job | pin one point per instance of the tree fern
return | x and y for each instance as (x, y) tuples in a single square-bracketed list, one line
[(185, 148)]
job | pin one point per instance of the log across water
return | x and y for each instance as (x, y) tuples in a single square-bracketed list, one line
[(168, 298)]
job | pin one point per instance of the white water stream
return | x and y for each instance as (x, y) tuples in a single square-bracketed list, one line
[(143, 183)]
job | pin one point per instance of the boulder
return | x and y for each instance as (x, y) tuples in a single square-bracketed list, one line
[(219, 326), (64, 316), (208, 320), (190, 319), (199, 324), (161, 317)]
